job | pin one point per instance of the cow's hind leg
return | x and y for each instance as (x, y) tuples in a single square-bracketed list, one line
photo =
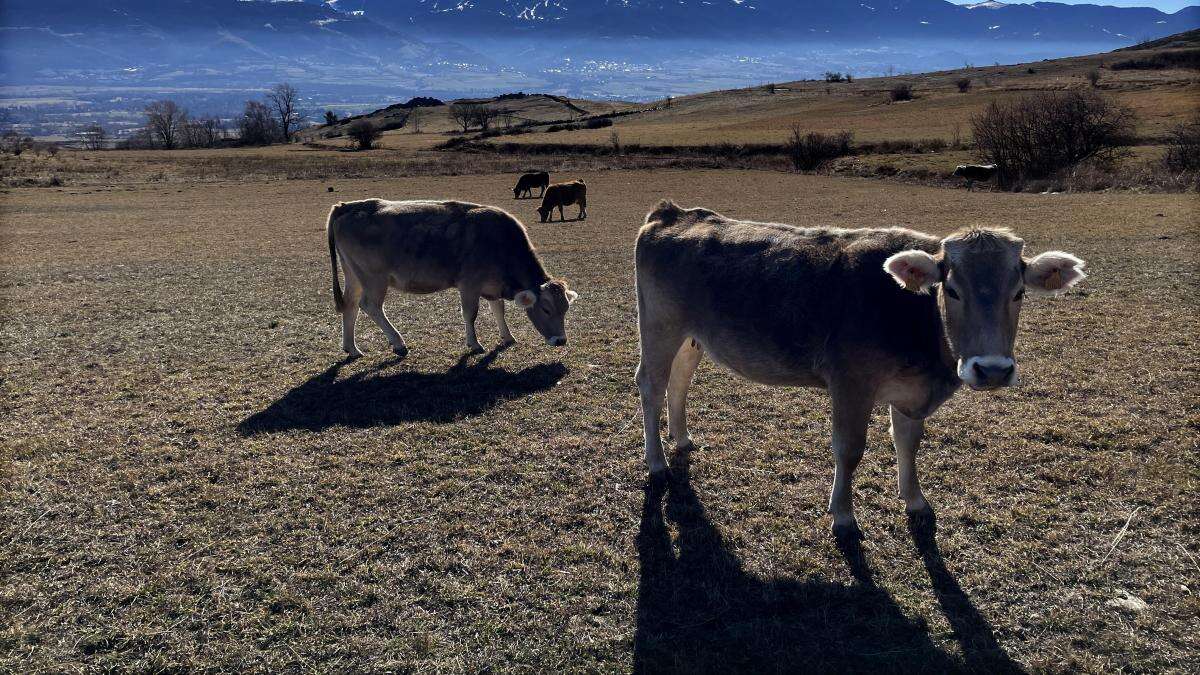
[(350, 299), (497, 306), (372, 304), (851, 416), (906, 435), (659, 346), (685, 363), (470, 310), (582, 209)]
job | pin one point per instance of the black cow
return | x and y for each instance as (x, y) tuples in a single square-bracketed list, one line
[(537, 179)]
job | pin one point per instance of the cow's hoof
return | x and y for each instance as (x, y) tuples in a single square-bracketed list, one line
[(922, 520), (846, 532), (508, 341), (401, 351), (475, 349), (352, 354)]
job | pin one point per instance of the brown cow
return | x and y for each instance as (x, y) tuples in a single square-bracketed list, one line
[(564, 194), (428, 246), (874, 315)]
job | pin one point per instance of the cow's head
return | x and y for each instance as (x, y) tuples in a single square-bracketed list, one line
[(544, 212), (980, 279), (547, 307)]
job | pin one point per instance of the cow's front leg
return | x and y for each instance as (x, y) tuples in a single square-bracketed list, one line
[(851, 415), (497, 306), (906, 435), (470, 310)]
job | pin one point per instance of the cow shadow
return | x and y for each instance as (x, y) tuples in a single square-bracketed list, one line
[(699, 611), (375, 398)]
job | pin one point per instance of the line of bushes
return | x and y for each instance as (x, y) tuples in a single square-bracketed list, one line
[(1183, 58)]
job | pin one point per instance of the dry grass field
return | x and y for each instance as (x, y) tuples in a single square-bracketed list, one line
[(191, 477)]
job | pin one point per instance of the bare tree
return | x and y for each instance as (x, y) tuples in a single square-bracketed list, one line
[(257, 125), (92, 136), (364, 133), (484, 115), (464, 114), (416, 118), (165, 120), (1038, 135), (283, 101)]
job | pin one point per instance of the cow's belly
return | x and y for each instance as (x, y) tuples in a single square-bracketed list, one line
[(759, 361)]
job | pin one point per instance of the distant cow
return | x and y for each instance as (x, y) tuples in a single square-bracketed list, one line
[(874, 315), (428, 246), (525, 185), (974, 172), (564, 194)]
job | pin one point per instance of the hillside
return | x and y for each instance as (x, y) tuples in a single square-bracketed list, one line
[(437, 125), (1161, 99)]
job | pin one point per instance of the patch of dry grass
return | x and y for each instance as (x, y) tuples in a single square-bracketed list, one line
[(191, 479)]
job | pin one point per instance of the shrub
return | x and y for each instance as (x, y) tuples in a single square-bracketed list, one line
[(598, 123), (1183, 147), (1093, 77), (1041, 134), (812, 150), (902, 92), (364, 133), (831, 76), (1183, 58), (963, 84)]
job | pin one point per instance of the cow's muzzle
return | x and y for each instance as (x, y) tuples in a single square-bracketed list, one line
[(557, 341), (984, 373)]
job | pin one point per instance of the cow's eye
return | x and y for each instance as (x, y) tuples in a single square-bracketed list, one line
[(950, 291), (1019, 296)]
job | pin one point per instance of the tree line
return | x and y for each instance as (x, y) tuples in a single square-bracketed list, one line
[(274, 119)]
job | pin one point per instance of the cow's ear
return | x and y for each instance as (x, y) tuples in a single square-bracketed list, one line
[(916, 271), (1053, 272), (526, 299), (571, 296)]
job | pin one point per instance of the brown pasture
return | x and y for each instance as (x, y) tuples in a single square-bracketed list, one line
[(192, 478)]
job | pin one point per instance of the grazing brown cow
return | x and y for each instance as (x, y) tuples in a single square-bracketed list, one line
[(564, 194), (427, 246), (873, 315), (526, 183)]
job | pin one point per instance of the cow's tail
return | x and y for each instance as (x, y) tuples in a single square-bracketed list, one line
[(338, 303)]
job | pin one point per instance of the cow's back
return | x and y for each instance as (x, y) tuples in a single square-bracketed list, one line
[(424, 246), (565, 194), (789, 302)]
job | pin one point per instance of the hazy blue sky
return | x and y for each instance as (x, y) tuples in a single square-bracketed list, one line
[(1164, 5)]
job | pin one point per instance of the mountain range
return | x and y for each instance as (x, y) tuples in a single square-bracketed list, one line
[(612, 48), (740, 20)]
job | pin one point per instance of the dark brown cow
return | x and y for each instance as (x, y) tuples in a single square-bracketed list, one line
[(428, 246), (564, 194), (526, 183), (874, 315)]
